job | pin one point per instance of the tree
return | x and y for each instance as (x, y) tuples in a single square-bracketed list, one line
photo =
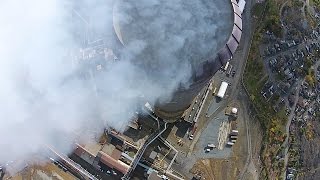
[(310, 80)]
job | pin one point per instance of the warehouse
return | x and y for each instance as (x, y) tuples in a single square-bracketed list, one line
[(222, 90)]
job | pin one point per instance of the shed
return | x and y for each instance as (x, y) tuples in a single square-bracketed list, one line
[(222, 90)]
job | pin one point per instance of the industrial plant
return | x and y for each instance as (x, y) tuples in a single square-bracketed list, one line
[(152, 156), (180, 57)]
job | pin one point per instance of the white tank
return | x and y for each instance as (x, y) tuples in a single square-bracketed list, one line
[(234, 110)]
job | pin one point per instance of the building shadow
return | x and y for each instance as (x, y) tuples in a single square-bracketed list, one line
[(182, 128)]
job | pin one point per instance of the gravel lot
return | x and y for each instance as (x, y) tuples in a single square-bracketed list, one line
[(210, 135)]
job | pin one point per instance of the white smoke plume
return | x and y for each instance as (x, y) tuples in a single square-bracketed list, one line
[(48, 100)]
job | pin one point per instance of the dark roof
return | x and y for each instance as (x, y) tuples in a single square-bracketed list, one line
[(236, 32), (206, 68), (216, 64), (238, 21), (236, 9), (232, 44), (224, 55)]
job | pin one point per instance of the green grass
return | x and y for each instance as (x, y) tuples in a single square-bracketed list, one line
[(315, 3), (272, 18), (282, 116), (255, 78), (257, 9)]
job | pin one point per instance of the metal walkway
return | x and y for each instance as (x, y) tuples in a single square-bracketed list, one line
[(140, 152)]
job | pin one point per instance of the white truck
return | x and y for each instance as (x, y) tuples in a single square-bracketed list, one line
[(233, 137), (235, 131), (211, 146), (207, 150), (230, 143)]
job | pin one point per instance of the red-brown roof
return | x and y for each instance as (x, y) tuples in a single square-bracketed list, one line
[(79, 150), (116, 154), (113, 163)]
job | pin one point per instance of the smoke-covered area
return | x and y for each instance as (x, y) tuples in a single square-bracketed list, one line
[(49, 97), (174, 32)]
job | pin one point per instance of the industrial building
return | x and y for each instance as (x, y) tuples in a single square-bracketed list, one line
[(222, 90), (112, 157), (204, 66)]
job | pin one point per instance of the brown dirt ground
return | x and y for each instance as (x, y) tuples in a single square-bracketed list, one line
[(225, 169), (50, 170)]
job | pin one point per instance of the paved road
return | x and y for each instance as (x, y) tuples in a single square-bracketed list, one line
[(285, 143), (244, 100)]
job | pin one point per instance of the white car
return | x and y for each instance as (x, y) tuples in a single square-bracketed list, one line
[(191, 136)]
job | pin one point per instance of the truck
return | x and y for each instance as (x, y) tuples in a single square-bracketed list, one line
[(207, 150), (192, 132), (191, 137), (210, 145), (233, 134), (235, 131), (233, 137), (226, 66), (230, 143)]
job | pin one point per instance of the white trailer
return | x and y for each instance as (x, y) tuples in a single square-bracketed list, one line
[(211, 146), (226, 66), (235, 131), (222, 90), (230, 143)]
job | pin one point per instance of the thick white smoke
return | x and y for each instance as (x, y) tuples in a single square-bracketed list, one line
[(45, 98)]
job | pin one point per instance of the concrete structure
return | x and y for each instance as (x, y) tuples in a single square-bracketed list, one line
[(234, 110), (222, 90), (202, 69), (231, 111), (242, 4)]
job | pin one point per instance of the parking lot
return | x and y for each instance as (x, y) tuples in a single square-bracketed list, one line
[(216, 132)]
